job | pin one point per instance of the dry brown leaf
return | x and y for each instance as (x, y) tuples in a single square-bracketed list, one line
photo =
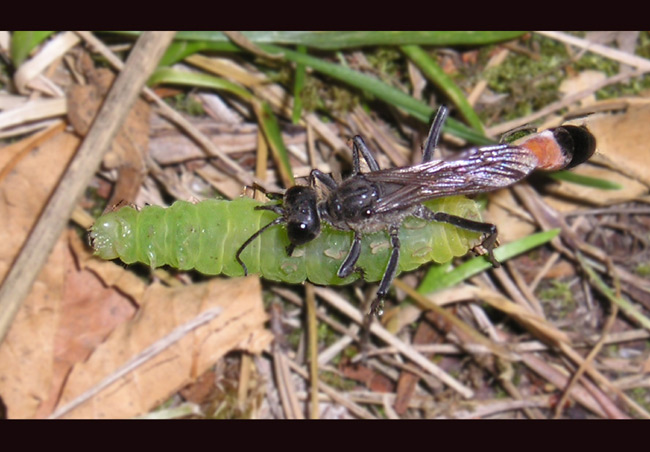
[(582, 81), (26, 188), (372, 379), (240, 325), (200, 389), (506, 212), (26, 354), (630, 191), (131, 143), (49, 334), (622, 145), (65, 315), (87, 313), (27, 367), (407, 382)]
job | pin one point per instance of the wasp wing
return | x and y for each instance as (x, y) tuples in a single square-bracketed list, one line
[(474, 171)]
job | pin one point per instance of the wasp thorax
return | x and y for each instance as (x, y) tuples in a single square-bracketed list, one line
[(301, 214), (353, 201)]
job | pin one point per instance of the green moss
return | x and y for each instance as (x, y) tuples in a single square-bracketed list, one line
[(321, 93), (500, 393), (612, 350), (558, 291), (331, 97), (560, 296), (530, 83), (641, 396), (4, 74), (294, 337), (185, 102), (388, 62), (98, 202), (632, 87), (643, 269), (643, 48), (337, 381)]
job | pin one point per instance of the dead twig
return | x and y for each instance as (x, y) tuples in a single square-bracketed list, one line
[(141, 63)]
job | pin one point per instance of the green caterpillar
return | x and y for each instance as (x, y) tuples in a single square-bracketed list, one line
[(205, 237)]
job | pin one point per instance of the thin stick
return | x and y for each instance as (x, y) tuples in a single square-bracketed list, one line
[(343, 399), (165, 110), (613, 54), (562, 103), (142, 61), (596, 349), (405, 349), (312, 331)]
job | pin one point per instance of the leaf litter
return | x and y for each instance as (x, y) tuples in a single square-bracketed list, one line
[(85, 320)]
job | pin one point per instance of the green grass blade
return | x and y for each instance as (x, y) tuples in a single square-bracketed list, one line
[(438, 277), (334, 40), (271, 130), (23, 42), (268, 121), (379, 89), (626, 306), (587, 181), (188, 42), (165, 75), (298, 85), (178, 50), (434, 73)]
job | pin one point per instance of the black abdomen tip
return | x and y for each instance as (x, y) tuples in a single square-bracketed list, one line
[(576, 141)]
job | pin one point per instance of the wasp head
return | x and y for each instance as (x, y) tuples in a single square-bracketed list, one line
[(301, 215)]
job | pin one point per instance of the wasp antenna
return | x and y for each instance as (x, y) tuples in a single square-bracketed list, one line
[(577, 141), (250, 240)]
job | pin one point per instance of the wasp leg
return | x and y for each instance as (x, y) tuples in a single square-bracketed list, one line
[(325, 179), (434, 134), (485, 228), (358, 145), (268, 194), (377, 306), (349, 264)]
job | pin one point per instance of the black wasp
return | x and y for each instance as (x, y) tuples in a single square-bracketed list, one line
[(382, 199)]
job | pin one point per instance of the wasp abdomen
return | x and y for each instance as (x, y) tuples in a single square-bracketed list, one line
[(576, 140), (561, 147)]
